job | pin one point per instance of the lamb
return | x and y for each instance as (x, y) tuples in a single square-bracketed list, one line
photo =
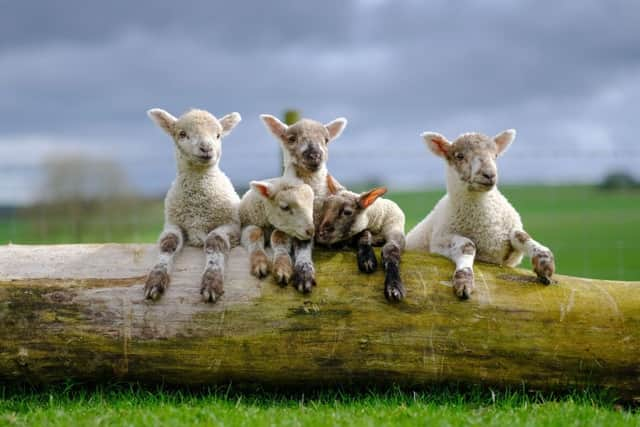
[(375, 221), (305, 152), (201, 207), (474, 220), (278, 207)]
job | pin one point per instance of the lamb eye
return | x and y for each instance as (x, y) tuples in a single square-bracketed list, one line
[(285, 208), (182, 134), (218, 136), (347, 212), (292, 139), (459, 156), (326, 140)]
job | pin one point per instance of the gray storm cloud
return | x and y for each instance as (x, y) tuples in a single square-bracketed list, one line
[(77, 76)]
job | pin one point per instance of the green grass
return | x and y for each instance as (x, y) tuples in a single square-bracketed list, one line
[(593, 233), (139, 222), (135, 406)]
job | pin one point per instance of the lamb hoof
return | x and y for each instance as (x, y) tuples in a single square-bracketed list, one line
[(282, 270), (544, 280), (211, 287), (463, 283), (544, 266), (157, 281), (367, 262), (304, 277), (394, 291), (259, 264)]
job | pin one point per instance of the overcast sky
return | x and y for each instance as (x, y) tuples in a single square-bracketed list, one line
[(76, 76)]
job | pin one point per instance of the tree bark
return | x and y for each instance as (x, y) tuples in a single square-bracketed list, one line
[(77, 312)]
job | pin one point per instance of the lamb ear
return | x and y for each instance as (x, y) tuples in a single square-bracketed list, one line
[(228, 122), (263, 188), (367, 199), (332, 185), (274, 125), (336, 127), (437, 143), (163, 119), (504, 139)]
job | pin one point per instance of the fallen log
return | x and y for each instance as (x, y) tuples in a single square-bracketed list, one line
[(77, 312)]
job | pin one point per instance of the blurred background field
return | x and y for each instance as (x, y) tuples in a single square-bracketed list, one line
[(593, 231)]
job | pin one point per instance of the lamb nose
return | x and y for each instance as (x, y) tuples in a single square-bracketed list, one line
[(314, 156), (489, 176), (327, 229)]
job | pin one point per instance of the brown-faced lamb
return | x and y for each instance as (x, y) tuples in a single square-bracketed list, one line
[(201, 207), (474, 220), (373, 221)]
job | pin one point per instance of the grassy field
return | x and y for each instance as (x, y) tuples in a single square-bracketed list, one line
[(593, 233), (135, 406)]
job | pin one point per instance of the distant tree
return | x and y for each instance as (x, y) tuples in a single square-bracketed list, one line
[(366, 183), (81, 196), (619, 180), (291, 116), (78, 177)]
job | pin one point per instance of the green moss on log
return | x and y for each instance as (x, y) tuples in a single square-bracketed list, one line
[(96, 325)]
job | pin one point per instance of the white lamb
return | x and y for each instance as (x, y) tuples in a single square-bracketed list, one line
[(305, 153), (201, 207), (277, 207), (474, 220)]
